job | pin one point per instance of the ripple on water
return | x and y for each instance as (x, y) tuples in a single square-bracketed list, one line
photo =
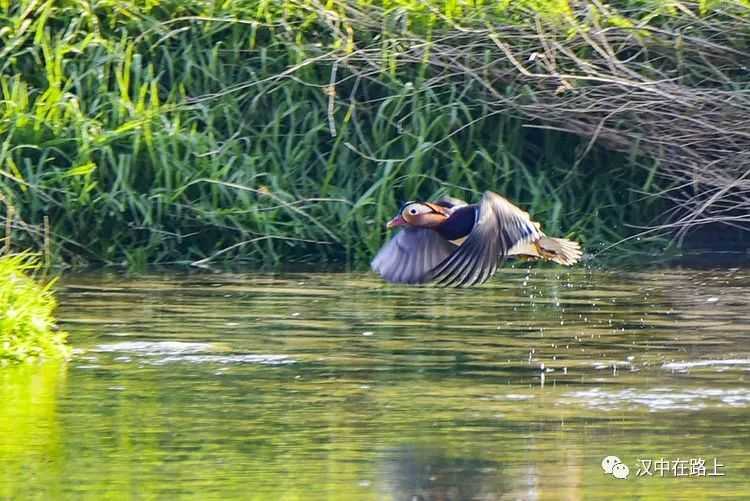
[(226, 359), (154, 347), (167, 352), (720, 365), (660, 399)]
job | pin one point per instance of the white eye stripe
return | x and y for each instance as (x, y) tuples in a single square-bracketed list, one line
[(414, 210)]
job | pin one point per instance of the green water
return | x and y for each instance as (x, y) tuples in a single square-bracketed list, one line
[(337, 386)]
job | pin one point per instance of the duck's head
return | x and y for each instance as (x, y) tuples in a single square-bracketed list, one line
[(419, 214)]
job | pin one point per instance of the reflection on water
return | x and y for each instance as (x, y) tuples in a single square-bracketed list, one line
[(337, 386), (429, 473)]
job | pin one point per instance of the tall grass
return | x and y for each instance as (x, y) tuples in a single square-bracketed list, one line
[(188, 131)]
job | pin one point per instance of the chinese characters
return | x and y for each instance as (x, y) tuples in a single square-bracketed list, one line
[(691, 467)]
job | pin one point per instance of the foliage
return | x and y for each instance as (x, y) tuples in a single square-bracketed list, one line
[(27, 328), (150, 132)]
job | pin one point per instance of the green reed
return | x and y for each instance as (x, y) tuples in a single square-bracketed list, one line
[(175, 132)]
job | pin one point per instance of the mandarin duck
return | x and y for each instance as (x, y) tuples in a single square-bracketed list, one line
[(454, 244)]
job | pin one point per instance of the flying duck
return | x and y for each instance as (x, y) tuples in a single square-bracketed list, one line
[(454, 244)]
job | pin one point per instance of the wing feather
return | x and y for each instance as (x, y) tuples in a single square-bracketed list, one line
[(499, 226), (410, 255)]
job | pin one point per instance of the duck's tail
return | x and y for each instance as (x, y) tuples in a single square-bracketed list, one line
[(560, 250)]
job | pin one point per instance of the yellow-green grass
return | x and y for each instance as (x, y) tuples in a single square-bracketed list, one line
[(27, 326)]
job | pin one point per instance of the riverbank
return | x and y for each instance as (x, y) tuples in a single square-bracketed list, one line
[(286, 131)]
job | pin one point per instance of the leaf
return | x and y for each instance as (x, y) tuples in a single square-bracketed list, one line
[(81, 170)]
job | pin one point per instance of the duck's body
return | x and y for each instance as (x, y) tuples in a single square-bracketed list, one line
[(452, 243)]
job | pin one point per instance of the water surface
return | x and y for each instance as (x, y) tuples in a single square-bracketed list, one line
[(337, 386)]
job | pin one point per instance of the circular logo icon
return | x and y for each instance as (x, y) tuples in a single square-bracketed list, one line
[(609, 462), (620, 470)]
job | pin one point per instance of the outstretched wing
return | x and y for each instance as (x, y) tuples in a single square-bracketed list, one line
[(410, 255), (499, 225)]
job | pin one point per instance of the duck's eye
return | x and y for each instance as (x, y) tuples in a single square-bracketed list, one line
[(413, 212)]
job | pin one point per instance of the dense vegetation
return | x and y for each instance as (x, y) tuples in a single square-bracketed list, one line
[(27, 329), (165, 130)]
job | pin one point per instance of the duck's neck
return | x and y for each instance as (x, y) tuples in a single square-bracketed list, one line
[(459, 224)]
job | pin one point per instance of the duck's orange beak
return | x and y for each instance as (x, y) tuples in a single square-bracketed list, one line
[(396, 221)]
